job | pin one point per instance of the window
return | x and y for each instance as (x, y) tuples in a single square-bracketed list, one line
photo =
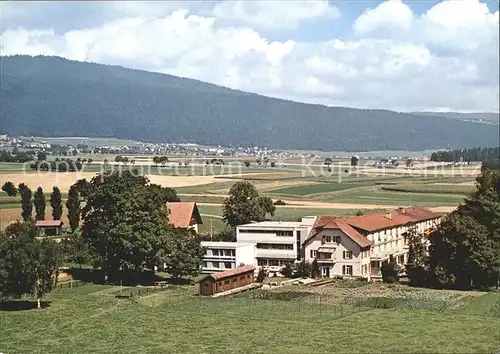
[(347, 254), (347, 269), (204, 264), (336, 239), (226, 282), (215, 252), (215, 264), (227, 265), (262, 262), (275, 246), (228, 253), (313, 253), (284, 233)]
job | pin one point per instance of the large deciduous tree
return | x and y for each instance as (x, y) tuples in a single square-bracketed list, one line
[(56, 203), (464, 251), (40, 204), (28, 266), (73, 207), (245, 205), (26, 202), (184, 253), (126, 222)]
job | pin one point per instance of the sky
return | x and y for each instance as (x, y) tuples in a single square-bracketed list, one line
[(401, 55)]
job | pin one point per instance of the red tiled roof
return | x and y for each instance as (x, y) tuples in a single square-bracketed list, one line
[(232, 272), (391, 219), (181, 213), (49, 223), (336, 223)]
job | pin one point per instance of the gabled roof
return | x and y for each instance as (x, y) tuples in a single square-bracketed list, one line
[(49, 223), (181, 213), (231, 273), (336, 223), (394, 218)]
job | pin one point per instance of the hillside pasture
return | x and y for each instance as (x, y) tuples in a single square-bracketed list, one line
[(89, 318)]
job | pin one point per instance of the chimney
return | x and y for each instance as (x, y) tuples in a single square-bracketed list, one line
[(389, 215), (402, 210)]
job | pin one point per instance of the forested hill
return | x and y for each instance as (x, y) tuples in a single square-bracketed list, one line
[(49, 96)]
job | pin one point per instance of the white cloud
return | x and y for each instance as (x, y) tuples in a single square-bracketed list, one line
[(274, 13), (442, 58), (392, 15)]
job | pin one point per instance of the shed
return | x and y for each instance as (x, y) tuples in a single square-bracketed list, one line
[(49, 227), (227, 280)]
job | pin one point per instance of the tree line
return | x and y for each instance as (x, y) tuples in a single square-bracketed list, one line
[(466, 155)]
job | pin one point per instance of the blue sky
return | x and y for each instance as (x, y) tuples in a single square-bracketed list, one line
[(401, 55)]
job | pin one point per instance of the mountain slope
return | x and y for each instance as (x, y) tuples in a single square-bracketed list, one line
[(481, 117), (48, 96)]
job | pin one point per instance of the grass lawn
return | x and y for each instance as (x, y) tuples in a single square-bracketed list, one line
[(90, 319)]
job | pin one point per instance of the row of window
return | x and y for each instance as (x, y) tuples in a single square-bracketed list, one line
[(276, 232), (275, 246), (221, 252), (330, 239), (273, 262), (218, 265), (329, 255)]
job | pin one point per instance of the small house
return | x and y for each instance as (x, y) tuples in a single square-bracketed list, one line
[(185, 215), (49, 227), (227, 280)]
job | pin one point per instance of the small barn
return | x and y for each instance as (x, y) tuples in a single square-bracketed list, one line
[(49, 227), (227, 280)]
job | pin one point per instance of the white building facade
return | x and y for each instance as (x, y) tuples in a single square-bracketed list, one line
[(221, 256), (277, 242), (358, 246)]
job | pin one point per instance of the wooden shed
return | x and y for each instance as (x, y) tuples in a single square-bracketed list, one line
[(227, 280)]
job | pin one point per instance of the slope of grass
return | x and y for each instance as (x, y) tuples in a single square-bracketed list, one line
[(175, 322)]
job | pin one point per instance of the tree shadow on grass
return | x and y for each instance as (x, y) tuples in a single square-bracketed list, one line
[(22, 305), (124, 277)]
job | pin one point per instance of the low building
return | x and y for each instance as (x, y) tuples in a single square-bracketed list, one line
[(358, 246), (277, 242), (184, 215), (227, 280), (50, 227), (222, 256)]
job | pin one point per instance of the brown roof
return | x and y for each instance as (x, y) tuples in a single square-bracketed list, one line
[(397, 217), (182, 213), (49, 223), (336, 223), (232, 272), (372, 222)]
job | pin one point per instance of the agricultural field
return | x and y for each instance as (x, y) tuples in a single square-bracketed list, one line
[(91, 318)]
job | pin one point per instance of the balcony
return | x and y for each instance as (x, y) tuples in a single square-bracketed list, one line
[(274, 253)]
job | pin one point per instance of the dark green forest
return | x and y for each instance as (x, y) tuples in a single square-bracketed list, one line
[(466, 155), (50, 96)]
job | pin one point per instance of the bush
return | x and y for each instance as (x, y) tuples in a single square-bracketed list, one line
[(390, 272), (287, 271), (279, 202)]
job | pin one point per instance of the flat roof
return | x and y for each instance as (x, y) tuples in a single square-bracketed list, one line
[(271, 224), (225, 244)]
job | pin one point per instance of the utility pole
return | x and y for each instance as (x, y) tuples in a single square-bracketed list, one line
[(211, 230)]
